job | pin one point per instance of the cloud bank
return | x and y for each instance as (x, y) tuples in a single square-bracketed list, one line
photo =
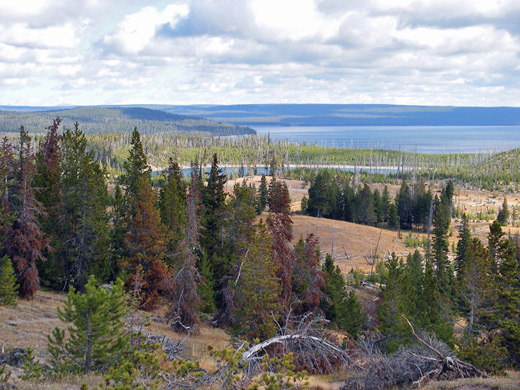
[(260, 51)]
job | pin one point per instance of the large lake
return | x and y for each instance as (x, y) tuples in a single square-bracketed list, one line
[(423, 139)]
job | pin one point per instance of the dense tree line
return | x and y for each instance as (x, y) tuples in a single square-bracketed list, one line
[(340, 198)]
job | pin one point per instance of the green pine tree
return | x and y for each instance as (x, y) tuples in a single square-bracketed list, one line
[(352, 317), (257, 290), (508, 303), (503, 213), (96, 334), (8, 285)]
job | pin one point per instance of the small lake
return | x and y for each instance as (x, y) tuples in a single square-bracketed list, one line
[(422, 139)]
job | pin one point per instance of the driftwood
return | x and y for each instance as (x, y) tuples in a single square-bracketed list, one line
[(415, 364)]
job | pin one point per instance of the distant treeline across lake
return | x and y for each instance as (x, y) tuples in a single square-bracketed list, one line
[(421, 139)]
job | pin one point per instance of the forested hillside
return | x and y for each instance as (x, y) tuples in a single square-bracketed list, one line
[(190, 251), (101, 120), (352, 114)]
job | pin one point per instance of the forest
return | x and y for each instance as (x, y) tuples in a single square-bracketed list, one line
[(97, 120), (87, 215)]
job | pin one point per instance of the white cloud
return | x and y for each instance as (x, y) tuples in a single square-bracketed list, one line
[(137, 30), (293, 19), (260, 51)]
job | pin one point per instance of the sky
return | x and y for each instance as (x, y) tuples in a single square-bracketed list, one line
[(418, 52)]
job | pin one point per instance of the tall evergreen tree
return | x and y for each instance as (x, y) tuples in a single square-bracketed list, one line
[(118, 232), (308, 280), (385, 205), (496, 245), (436, 316), (257, 290), (334, 290), (391, 306), (503, 213), (147, 246), (475, 286), (172, 204), (404, 206), (6, 179), (365, 211), (214, 202), (349, 207), (422, 204), (262, 194), (279, 224), (508, 303), (462, 245), (441, 221), (135, 166), (352, 317), (184, 279), (85, 201), (24, 240), (49, 192)]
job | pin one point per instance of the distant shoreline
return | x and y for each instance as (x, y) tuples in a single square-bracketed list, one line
[(312, 166)]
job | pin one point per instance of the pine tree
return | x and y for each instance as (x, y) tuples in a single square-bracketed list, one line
[(508, 303), (24, 240), (334, 290), (393, 218), (496, 245), (365, 211), (6, 179), (352, 317), (136, 166), (147, 246), (390, 309), (214, 202), (413, 291), (279, 225), (441, 220), (257, 290), (348, 205), (96, 335), (422, 204), (118, 233), (262, 195), (385, 204), (172, 204), (8, 286), (475, 285), (308, 281), (238, 234), (503, 214), (49, 192), (435, 316), (404, 205), (184, 279), (85, 200), (462, 245)]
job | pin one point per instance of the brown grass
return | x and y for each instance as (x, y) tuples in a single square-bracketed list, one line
[(511, 382), (358, 241)]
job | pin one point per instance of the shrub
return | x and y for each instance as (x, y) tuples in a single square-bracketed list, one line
[(8, 286), (96, 334)]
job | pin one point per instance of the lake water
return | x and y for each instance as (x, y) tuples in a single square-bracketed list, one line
[(422, 139)]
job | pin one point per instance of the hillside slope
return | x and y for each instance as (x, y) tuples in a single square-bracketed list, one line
[(352, 115), (118, 119)]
